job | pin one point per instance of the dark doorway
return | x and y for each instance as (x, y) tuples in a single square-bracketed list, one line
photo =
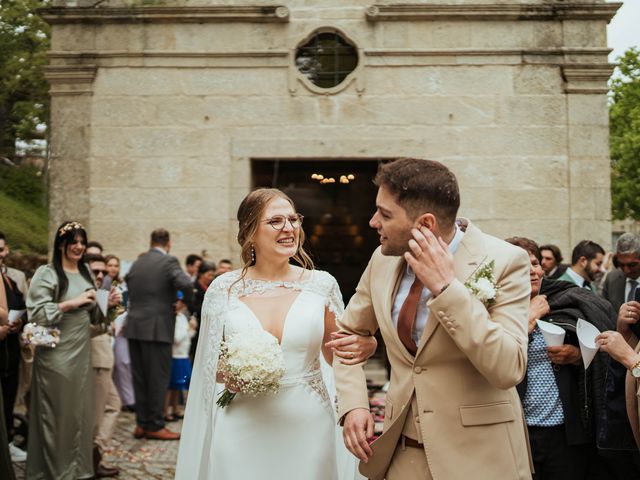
[(336, 212)]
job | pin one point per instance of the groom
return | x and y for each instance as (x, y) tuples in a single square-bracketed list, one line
[(452, 411)]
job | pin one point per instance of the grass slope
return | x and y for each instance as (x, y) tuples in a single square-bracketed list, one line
[(24, 225)]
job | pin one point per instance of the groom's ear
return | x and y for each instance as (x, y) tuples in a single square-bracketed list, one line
[(426, 220)]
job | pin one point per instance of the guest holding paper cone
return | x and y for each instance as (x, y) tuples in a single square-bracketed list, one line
[(106, 401), (62, 294), (555, 401), (620, 287), (615, 345)]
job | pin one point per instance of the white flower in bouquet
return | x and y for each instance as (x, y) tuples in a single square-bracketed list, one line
[(39, 336), (252, 362)]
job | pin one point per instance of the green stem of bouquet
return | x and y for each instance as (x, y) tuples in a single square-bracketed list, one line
[(225, 398)]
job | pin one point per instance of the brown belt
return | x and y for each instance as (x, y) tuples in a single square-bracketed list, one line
[(410, 442)]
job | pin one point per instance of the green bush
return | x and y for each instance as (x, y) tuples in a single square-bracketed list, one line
[(24, 184), (24, 224)]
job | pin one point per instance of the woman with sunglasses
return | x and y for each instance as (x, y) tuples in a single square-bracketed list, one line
[(291, 434), (62, 295)]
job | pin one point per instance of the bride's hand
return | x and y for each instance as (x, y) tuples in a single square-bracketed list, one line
[(352, 349), (228, 384)]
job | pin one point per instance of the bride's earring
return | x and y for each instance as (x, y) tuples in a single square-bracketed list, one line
[(253, 254)]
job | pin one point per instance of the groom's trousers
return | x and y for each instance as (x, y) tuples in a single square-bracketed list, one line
[(151, 368), (408, 463)]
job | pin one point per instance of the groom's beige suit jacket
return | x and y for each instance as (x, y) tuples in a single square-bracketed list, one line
[(457, 395)]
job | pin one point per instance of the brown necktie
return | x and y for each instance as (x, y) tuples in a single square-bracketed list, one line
[(407, 316)]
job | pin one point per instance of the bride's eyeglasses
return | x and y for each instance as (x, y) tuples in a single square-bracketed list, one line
[(278, 222)]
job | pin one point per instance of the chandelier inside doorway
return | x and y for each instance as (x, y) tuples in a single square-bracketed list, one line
[(348, 178)]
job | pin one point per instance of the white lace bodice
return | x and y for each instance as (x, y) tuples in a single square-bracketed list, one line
[(302, 332), (301, 344)]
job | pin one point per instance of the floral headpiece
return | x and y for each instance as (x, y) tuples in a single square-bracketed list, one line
[(67, 227)]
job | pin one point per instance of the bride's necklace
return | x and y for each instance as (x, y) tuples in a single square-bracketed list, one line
[(261, 286), (289, 273)]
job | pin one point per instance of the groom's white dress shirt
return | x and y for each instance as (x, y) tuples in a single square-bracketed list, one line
[(403, 291)]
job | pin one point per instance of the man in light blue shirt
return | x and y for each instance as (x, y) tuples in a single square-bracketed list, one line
[(586, 260)]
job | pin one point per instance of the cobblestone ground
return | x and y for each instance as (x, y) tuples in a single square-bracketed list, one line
[(153, 459), (136, 459)]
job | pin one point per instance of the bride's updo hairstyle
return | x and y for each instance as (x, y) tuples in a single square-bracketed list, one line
[(249, 215)]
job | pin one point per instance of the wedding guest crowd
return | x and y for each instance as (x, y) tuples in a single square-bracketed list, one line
[(582, 423), (81, 385), (561, 402)]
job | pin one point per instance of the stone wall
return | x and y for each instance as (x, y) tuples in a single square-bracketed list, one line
[(158, 110)]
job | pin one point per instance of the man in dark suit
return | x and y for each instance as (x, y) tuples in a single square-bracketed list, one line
[(153, 282), (620, 284), (552, 261)]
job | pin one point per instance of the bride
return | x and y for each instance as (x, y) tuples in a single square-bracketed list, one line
[(292, 434)]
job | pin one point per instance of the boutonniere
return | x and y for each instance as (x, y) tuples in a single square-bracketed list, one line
[(482, 284)]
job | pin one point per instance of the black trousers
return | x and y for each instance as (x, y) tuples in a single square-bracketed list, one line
[(6, 467), (10, 352), (151, 369), (553, 458), (618, 465), (9, 393)]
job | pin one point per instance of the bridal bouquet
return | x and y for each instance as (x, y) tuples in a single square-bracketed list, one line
[(34, 334), (252, 362)]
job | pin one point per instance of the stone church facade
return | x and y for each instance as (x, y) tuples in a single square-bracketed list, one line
[(163, 113)]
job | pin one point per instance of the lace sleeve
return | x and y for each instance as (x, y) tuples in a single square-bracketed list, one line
[(213, 308), (335, 301), (331, 290)]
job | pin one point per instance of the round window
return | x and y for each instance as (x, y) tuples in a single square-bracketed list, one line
[(326, 59)]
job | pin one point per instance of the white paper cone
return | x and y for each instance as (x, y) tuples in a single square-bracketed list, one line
[(102, 298), (553, 334), (587, 334), (15, 315)]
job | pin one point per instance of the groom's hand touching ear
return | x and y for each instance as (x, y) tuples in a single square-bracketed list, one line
[(429, 257), (357, 430)]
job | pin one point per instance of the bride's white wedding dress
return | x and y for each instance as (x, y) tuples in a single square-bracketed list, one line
[(291, 435)]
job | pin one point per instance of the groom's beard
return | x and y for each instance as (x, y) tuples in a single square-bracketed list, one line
[(396, 248)]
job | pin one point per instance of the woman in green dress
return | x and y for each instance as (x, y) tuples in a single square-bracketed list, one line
[(62, 294)]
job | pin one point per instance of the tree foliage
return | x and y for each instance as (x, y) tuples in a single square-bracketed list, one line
[(624, 129), (24, 184), (24, 100)]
